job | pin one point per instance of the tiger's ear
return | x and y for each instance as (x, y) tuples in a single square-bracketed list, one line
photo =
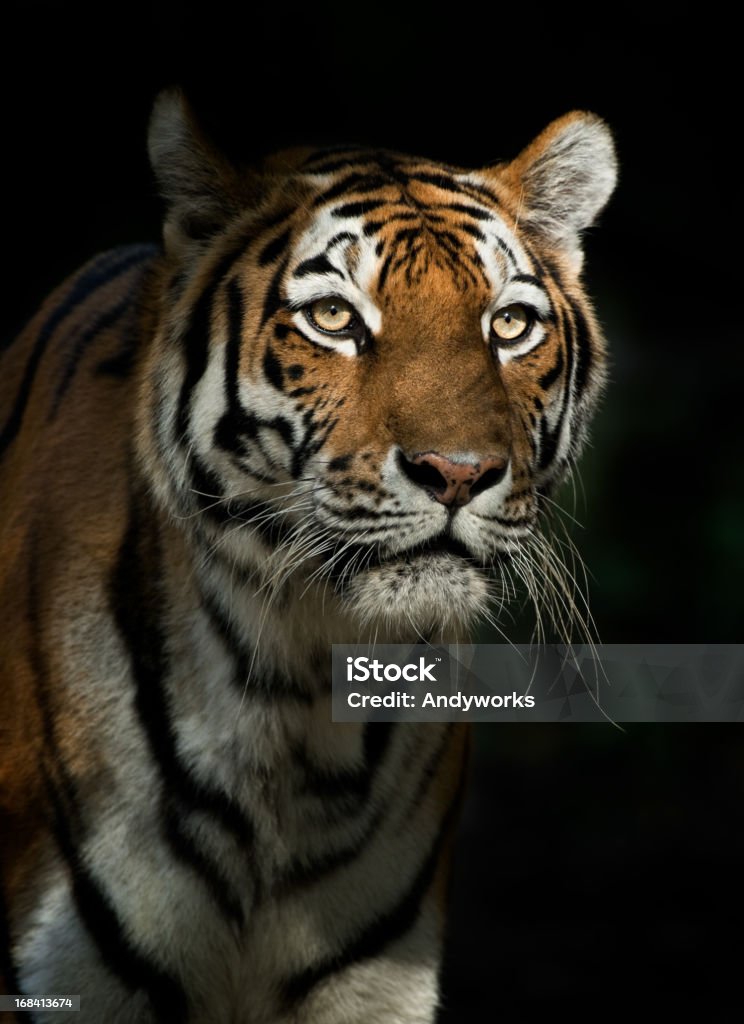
[(564, 179), (201, 188)]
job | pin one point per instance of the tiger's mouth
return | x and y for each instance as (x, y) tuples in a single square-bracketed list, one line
[(358, 559), (442, 544)]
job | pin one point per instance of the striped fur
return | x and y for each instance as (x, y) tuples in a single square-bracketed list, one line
[(201, 491)]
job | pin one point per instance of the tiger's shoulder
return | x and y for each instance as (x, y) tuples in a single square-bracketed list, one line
[(66, 395), (83, 336)]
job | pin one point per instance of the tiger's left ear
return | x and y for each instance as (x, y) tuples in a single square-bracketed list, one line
[(202, 189), (564, 179)]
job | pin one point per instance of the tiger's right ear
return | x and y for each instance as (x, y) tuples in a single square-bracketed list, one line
[(201, 188), (563, 180)]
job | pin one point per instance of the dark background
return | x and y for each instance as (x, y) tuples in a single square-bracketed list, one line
[(591, 861)]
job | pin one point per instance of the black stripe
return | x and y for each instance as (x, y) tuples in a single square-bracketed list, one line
[(316, 432), (354, 182), (235, 312), (460, 260), (274, 249), (317, 265), (584, 357), (185, 849), (549, 439), (448, 183), (329, 153), (358, 209), (529, 279), (267, 686), (552, 268), (473, 211), (352, 786), (103, 323), (372, 227), (540, 266), (100, 918), (273, 301), (136, 600), (445, 238), (342, 236), (471, 229), (234, 430), (328, 167), (350, 783), (196, 341), (310, 871), (477, 263), (377, 739), (505, 248), (568, 337), (404, 235), (102, 272), (385, 270), (548, 443), (548, 379), (389, 926), (121, 364), (480, 191), (273, 369), (439, 179)]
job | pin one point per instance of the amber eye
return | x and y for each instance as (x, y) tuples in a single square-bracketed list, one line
[(511, 322), (332, 314)]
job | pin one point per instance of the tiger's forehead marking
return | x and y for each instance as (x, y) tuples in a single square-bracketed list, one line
[(391, 221)]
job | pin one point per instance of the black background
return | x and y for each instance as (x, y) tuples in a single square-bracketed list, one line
[(590, 860)]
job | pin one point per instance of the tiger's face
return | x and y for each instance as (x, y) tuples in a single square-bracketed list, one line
[(383, 362)]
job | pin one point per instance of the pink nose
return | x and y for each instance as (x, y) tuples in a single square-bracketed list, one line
[(453, 483)]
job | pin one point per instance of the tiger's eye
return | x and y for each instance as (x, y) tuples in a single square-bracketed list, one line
[(511, 322), (332, 314)]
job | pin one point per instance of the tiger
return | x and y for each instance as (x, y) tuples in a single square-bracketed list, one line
[(328, 408)]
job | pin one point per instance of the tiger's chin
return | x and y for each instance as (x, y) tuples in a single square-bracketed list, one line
[(432, 595)]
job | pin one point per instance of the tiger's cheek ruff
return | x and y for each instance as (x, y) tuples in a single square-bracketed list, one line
[(242, 486)]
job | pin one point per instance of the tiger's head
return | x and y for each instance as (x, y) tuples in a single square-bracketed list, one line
[(370, 368)]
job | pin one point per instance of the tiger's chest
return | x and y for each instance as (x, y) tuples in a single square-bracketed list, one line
[(238, 838)]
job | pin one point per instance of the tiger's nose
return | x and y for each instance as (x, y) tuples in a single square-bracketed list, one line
[(450, 482)]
